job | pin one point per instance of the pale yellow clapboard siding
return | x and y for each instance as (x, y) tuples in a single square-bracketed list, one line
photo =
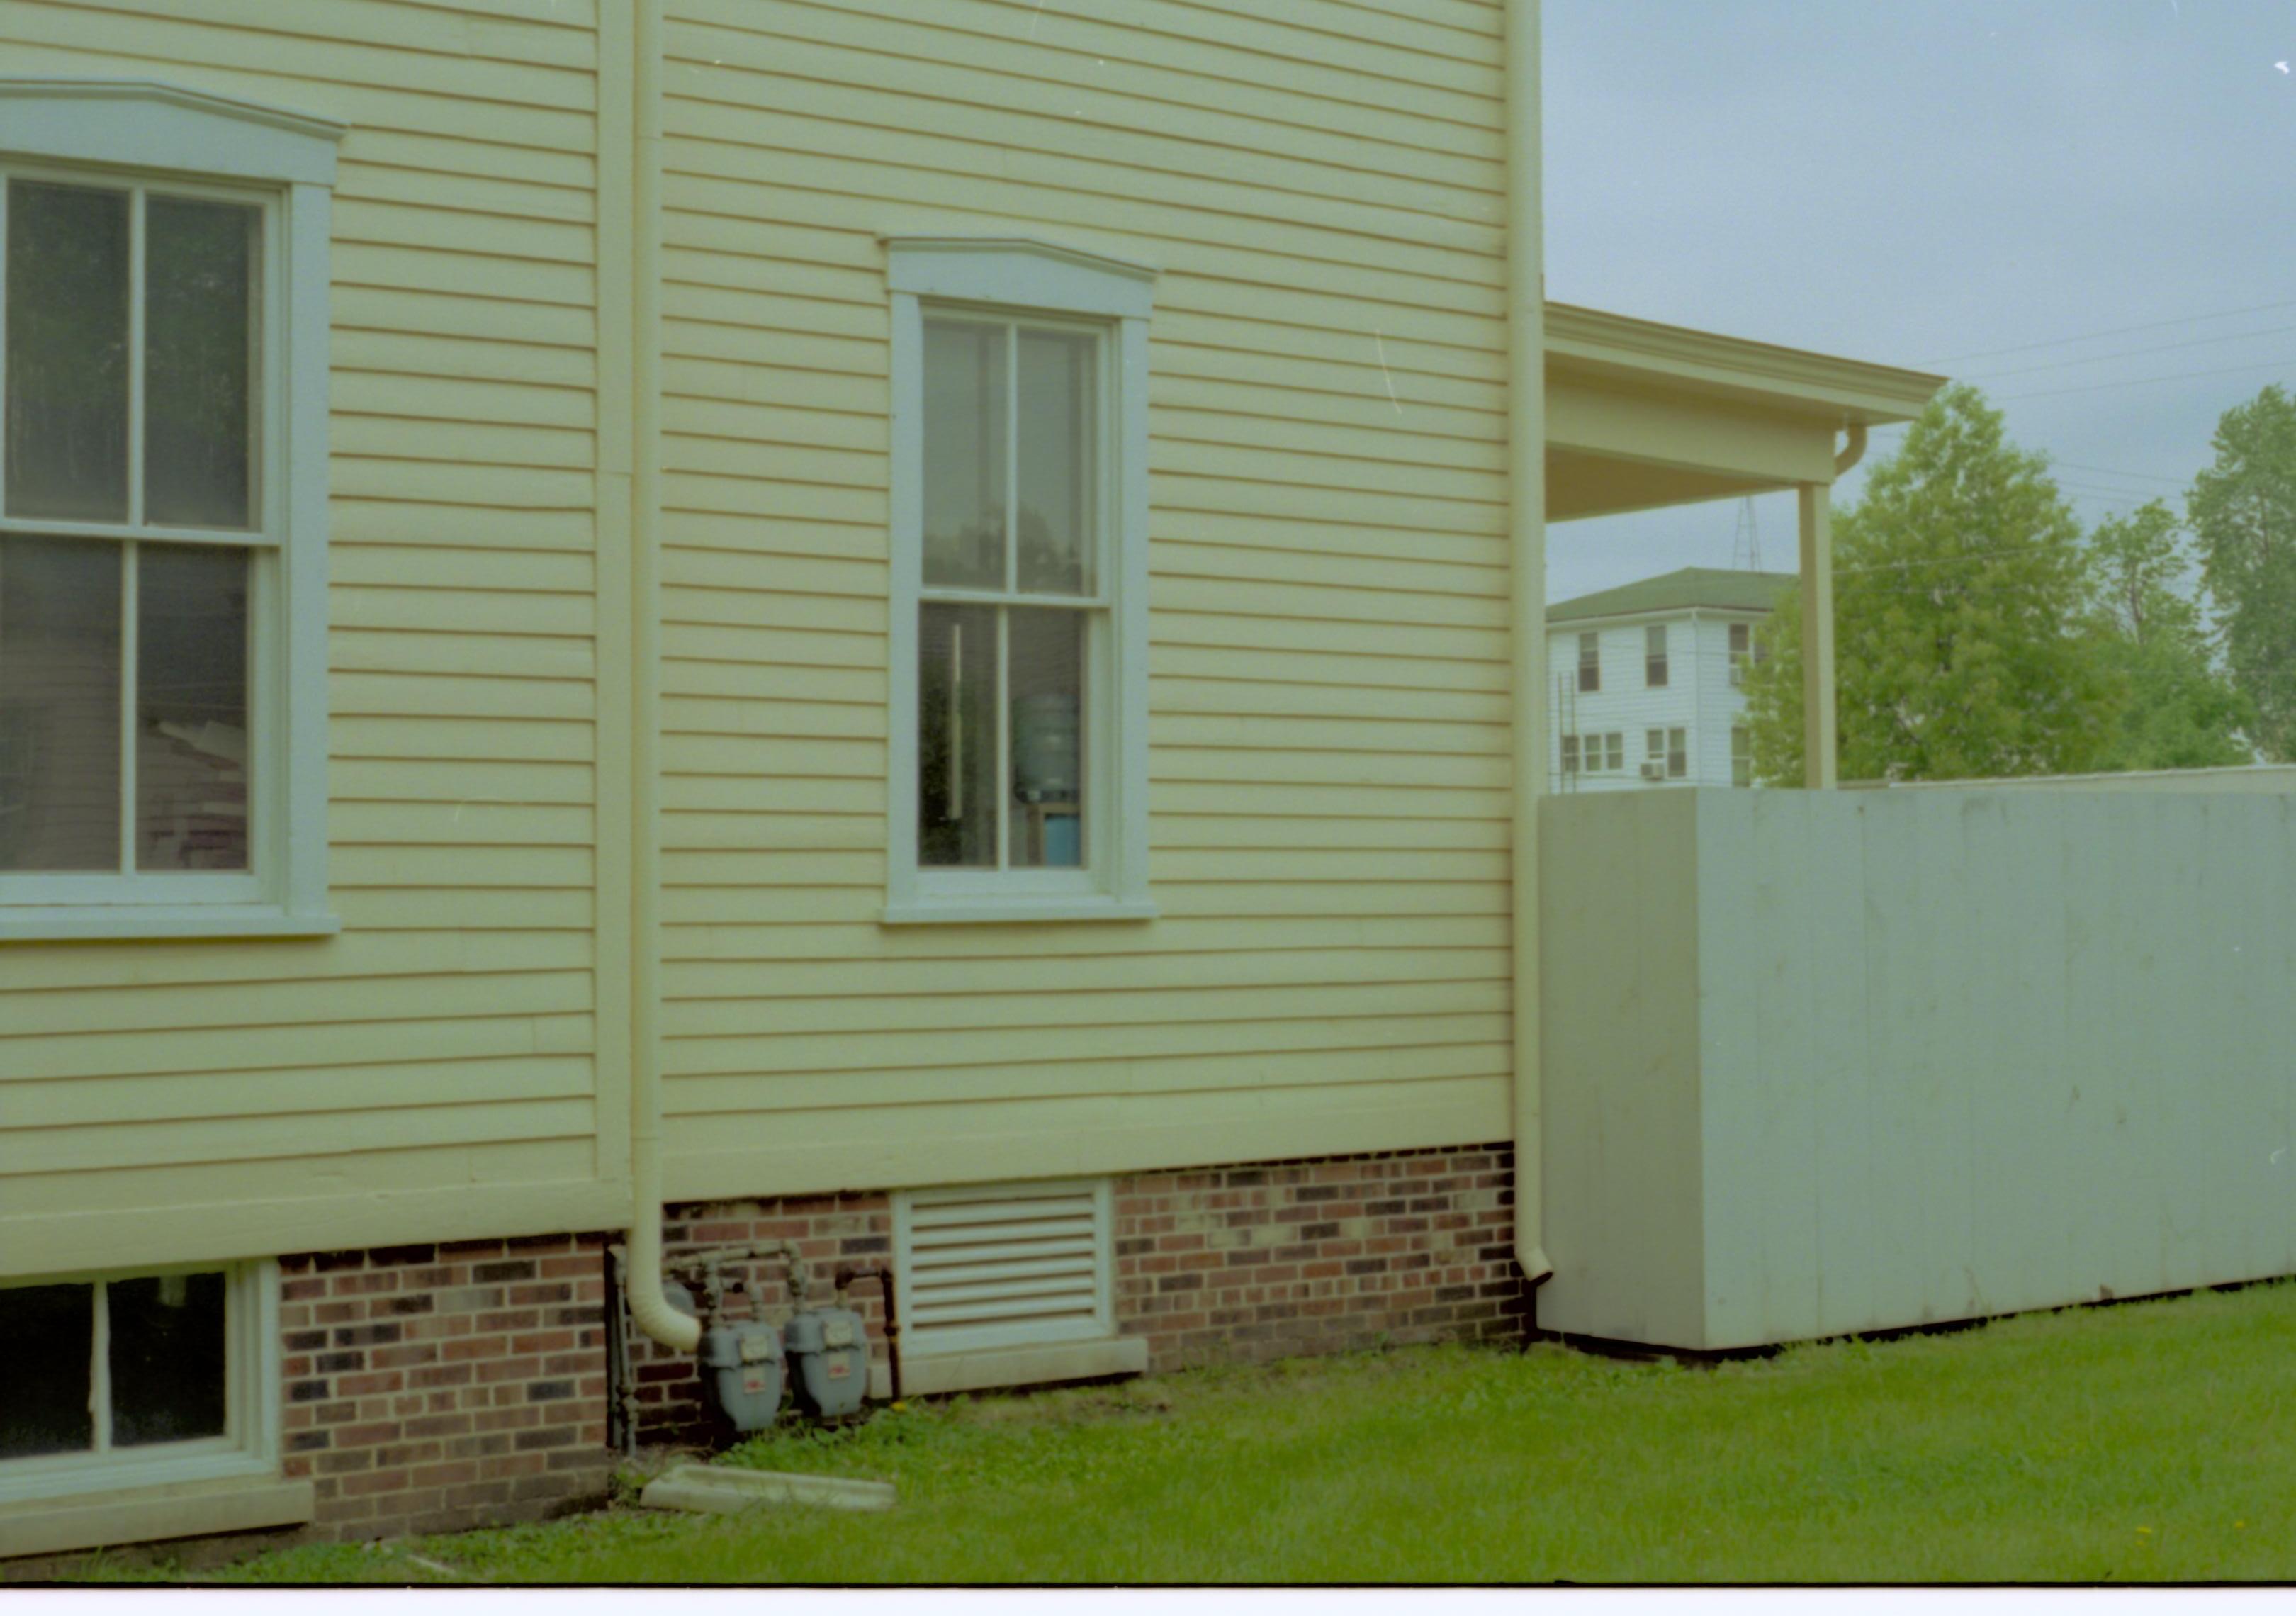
[(444, 1038), (1117, 978), (255, 1138), (1176, 693), (1195, 647), (866, 1049), (84, 1101), (1258, 733), (1172, 1076), (687, 792), (776, 939), (1307, 801), (481, 910), (834, 686), (1306, 543), (335, 1042), (435, 401), (349, 959), (500, 30), (400, 651), (1068, 1138), (695, 831), (715, 141), (840, 93), (1189, 67), (480, 193), (523, 74), (329, 1187)]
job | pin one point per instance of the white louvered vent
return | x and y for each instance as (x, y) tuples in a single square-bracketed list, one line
[(1002, 1265)]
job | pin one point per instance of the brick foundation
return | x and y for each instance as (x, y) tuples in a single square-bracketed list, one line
[(1273, 1259), (1287, 1258), (434, 1388)]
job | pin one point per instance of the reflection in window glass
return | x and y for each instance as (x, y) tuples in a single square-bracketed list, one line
[(1057, 429), (190, 707), (46, 1370), (200, 261), (67, 340), (59, 704), (964, 469), (167, 1358), (957, 737), (1047, 708)]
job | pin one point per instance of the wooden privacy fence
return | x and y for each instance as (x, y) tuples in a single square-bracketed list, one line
[(1825, 1061)]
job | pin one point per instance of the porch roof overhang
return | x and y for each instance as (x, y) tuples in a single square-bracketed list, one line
[(1641, 416)]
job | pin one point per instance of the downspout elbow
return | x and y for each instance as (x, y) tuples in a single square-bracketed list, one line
[(1854, 452)]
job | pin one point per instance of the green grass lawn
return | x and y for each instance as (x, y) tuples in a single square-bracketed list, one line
[(2156, 1440)]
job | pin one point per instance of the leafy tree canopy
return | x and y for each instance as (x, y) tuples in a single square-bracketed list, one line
[(2242, 511), (1964, 644), (2183, 712)]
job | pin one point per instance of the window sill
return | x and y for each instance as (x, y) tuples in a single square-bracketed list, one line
[(146, 1514), (95, 922), (1015, 911)]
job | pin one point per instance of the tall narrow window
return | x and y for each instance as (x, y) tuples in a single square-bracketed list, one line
[(1615, 746), (1742, 755), (1742, 645), (1654, 655), (1570, 754), (162, 605), (1590, 661), (1020, 786), (1009, 612), (1678, 754)]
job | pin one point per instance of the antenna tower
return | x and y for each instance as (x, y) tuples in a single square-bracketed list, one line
[(1746, 544)]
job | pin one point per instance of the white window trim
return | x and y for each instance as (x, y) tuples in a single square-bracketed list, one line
[(1023, 277), (166, 132), (249, 1445)]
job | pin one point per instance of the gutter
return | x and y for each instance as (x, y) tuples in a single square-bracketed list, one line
[(1526, 293), (641, 1274)]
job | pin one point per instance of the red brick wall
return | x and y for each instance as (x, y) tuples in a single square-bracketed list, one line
[(1284, 1258), (432, 1387)]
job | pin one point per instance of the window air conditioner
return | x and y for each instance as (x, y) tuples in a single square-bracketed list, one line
[(1653, 771)]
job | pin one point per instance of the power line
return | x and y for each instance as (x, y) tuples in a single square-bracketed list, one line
[(2116, 330), (2174, 482), (2189, 375), (2133, 353)]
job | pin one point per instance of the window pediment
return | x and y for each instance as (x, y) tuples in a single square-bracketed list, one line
[(143, 124)]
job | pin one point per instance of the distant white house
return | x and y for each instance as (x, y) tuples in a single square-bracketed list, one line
[(1644, 681)]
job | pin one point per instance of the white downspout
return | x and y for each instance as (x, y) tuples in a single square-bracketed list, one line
[(642, 1280), (1526, 290)]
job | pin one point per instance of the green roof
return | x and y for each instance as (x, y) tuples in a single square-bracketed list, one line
[(1715, 586)]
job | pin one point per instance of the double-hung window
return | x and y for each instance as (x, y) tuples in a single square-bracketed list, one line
[(1654, 669), (1018, 773), (1590, 663), (162, 514)]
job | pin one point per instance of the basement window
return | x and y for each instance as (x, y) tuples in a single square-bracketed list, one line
[(129, 1380)]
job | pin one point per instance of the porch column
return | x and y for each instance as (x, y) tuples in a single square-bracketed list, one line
[(1819, 767)]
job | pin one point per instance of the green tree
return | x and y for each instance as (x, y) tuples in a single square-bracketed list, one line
[(2242, 511), (2183, 712), (1962, 636)]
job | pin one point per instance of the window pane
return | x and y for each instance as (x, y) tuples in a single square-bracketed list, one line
[(957, 737), (964, 455), (200, 262), (59, 704), (1047, 673), (190, 707), (1059, 426), (47, 1344), (168, 1368), (1618, 750), (67, 339)]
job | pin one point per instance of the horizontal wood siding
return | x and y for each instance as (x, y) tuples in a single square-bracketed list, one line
[(1320, 183), (433, 1064)]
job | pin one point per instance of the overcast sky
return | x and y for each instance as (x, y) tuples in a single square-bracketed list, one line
[(1926, 183)]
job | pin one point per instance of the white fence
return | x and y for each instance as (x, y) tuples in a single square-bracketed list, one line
[(1828, 1061)]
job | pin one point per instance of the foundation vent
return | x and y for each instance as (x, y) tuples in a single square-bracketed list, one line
[(989, 1265)]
